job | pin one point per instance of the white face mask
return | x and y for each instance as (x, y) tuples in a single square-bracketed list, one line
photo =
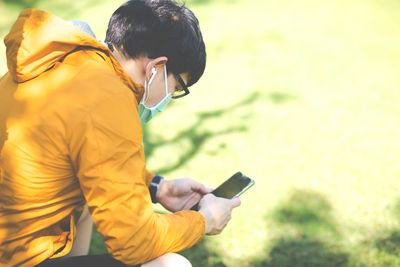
[(147, 113)]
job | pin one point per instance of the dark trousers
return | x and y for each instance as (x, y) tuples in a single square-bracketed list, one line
[(84, 261)]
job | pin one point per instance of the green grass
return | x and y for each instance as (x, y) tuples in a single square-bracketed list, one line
[(303, 96)]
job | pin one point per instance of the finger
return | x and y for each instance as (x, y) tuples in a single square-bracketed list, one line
[(200, 188), (193, 200), (196, 186), (235, 202), (209, 189)]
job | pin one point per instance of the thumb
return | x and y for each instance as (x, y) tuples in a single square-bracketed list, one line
[(202, 189), (209, 190), (235, 202)]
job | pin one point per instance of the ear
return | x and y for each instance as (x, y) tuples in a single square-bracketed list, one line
[(154, 63)]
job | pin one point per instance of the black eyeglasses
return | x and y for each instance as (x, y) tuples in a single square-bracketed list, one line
[(182, 92)]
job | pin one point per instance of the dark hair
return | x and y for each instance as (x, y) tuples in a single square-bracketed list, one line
[(155, 28)]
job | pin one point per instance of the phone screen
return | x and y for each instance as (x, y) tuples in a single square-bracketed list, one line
[(233, 187)]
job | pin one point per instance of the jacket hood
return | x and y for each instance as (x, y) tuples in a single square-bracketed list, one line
[(38, 40)]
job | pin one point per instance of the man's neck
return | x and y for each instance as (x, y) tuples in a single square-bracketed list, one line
[(135, 68)]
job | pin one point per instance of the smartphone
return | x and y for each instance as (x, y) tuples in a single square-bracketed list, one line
[(231, 188)]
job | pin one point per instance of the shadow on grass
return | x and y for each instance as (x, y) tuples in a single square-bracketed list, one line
[(304, 251), (390, 243), (195, 134), (308, 212), (309, 235), (22, 4), (97, 245), (280, 97)]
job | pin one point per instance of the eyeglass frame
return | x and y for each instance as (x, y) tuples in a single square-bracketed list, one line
[(184, 87)]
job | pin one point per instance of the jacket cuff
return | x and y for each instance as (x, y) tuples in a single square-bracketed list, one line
[(154, 187)]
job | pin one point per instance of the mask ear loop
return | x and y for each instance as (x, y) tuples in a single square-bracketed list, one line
[(166, 80), (147, 84), (153, 74)]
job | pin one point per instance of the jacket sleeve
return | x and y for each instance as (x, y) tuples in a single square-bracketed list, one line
[(149, 177), (107, 153)]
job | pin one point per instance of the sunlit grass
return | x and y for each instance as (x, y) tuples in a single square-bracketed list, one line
[(303, 96)]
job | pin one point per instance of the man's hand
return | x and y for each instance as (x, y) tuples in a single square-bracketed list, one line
[(217, 212), (180, 194)]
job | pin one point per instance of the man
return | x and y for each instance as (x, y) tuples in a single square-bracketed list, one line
[(71, 110)]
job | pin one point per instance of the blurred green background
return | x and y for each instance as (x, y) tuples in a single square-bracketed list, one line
[(302, 96)]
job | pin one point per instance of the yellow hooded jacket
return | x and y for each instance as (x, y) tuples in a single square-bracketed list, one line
[(70, 134)]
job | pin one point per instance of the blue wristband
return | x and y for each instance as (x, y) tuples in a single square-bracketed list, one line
[(154, 187)]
